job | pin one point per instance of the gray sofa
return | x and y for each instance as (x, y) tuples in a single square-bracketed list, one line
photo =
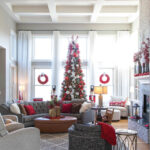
[(21, 139), (42, 109), (87, 137)]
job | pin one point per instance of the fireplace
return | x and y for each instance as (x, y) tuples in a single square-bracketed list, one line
[(144, 97), (146, 107)]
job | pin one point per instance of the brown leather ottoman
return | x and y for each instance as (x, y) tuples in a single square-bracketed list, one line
[(47, 125)]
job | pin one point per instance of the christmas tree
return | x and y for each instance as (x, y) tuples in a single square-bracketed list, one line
[(73, 84)]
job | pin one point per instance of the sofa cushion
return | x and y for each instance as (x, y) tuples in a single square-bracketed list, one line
[(29, 118), (15, 109), (85, 106), (22, 109), (3, 130), (66, 108), (76, 107), (30, 110)]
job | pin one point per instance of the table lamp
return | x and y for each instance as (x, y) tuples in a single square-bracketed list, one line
[(100, 90)]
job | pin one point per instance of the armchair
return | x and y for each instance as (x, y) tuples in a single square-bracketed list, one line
[(22, 139), (85, 136)]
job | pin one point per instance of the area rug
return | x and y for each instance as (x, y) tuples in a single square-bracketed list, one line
[(57, 141)]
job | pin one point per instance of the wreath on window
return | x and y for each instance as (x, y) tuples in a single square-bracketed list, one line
[(104, 81), (43, 76)]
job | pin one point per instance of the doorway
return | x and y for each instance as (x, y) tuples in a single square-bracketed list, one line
[(2, 75)]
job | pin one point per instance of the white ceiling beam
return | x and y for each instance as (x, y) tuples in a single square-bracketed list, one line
[(9, 10), (97, 7), (112, 20), (52, 10)]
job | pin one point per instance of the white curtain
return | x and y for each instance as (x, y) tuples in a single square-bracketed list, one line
[(24, 63), (117, 55)]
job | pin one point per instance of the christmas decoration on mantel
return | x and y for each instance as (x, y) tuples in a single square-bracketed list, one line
[(141, 59), (73, 84)]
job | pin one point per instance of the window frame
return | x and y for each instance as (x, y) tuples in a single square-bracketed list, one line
[(33, 77)]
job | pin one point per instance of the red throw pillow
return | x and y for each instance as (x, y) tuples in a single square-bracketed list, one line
[(66, 108), (30, 110), (123, 103), (38, 99)]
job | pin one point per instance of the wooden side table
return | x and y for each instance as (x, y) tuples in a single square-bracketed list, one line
[(126, 139), (98, 110)]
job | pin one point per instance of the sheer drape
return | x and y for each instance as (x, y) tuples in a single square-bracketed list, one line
[(24, 63)]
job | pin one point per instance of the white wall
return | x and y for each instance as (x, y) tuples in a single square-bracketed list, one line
[(6, 25)]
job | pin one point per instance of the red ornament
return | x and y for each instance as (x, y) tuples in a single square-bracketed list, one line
[(45, 81), (66, 78), (101, 78)]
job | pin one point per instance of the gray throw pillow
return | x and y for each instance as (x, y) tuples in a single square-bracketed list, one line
[(3, 130)]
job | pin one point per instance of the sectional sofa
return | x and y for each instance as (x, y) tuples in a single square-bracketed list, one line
[(42, 109)]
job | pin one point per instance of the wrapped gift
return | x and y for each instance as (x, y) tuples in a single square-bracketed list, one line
[(57, 109), (52, 113)]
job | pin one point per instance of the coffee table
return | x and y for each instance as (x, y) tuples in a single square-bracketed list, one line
[(47, 125)]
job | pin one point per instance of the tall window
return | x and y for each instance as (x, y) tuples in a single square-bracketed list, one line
[(82, 41), (42, 47), (42, 59)]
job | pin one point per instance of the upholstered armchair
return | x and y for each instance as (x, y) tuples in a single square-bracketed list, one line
[(21, 139), (87, 137)]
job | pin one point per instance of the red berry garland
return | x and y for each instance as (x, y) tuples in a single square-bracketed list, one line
[(45, 81), (101, 78)]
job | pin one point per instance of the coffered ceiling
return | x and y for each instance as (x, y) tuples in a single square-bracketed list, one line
[(72, 11)]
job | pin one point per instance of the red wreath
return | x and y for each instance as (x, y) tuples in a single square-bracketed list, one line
[(101, 78), (45, 81)]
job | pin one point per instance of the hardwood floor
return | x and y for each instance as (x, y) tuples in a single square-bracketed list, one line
[(124, 124)]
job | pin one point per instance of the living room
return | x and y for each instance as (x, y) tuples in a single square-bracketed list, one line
[(65, 64)]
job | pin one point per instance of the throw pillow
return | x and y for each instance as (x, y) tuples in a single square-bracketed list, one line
[(76, 107), (85, 106), (14, 108), (30, 110), (3, 130), (66, 108), (8, 121), (22, 109)]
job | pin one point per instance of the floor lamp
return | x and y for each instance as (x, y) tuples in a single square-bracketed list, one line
[(100, 90)]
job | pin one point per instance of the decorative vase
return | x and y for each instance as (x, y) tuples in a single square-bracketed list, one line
[(147, 67), (52, 113), (139, 67), (57, 109)]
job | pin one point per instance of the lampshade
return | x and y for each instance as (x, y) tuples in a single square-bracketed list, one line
[(100, 89)]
